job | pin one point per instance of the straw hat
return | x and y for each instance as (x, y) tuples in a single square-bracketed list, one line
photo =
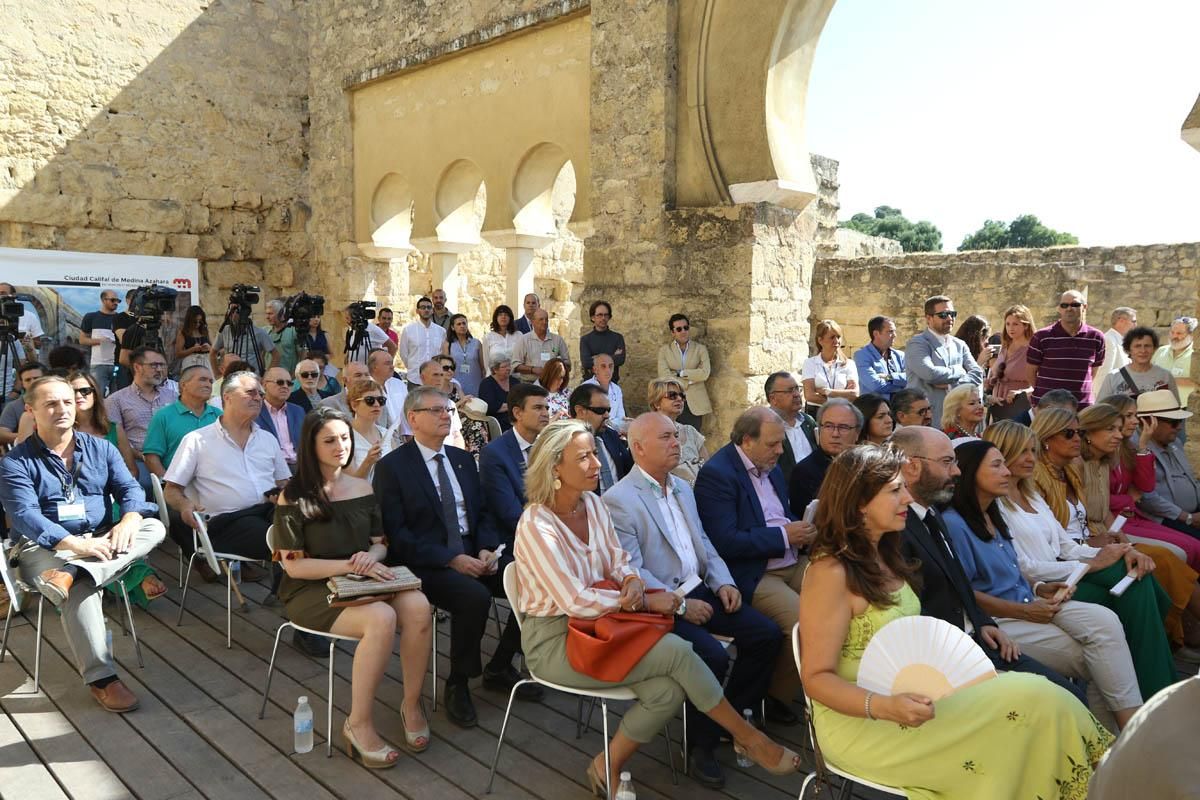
[(1160, 403), (476, 409)]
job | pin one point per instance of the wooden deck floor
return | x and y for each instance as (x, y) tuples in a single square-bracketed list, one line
[(197, 733)]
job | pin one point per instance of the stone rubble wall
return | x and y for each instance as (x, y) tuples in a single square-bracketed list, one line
[(159, 128)]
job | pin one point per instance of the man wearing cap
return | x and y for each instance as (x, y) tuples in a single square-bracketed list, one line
[(1175, 501)]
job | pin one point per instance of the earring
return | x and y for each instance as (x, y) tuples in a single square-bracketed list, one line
[(557, 484)]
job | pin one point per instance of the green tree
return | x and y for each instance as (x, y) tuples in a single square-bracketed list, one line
[(1024, 231), (890, 223)]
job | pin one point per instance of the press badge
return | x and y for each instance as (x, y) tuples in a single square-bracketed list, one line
[(464, 368), (71, 511), (547, 356)]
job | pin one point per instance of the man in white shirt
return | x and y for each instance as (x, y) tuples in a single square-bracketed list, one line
[(537, 347), (231, 472), (603, 367), (786, 397), (655, 516), (1122, 321), (379, 366), (420, 341)]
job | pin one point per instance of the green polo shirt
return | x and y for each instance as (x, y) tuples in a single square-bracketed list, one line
[(170, 424)]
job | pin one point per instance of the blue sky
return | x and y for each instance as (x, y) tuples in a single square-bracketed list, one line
[(957, 111)]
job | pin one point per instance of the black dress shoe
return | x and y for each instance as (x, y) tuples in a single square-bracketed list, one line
[(310, 644), (459, 707), (704, 767), (503, 680), (780, 714)]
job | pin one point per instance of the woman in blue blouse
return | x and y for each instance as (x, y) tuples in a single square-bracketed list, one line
[(1080, 640)]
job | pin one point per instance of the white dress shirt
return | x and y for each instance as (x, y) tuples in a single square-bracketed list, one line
[(396, 390), (616, 399), (801, 446), (223, 477), (460, 502), (678, 531), (523, 445), (419, 343)]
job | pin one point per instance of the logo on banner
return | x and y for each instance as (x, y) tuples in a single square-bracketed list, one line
[(182, 283)]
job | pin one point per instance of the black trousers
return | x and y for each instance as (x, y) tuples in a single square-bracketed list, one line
[(1182, 527), (469, 601), (243, 532)]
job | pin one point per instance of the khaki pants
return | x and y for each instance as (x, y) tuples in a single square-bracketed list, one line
[(778, 597)]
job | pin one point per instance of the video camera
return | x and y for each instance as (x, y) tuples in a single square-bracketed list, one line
[(300, 308), (361, 312), (242, 298), (149, 303), (11, 311)]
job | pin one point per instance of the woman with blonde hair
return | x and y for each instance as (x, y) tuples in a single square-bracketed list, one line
[(666, 396), (1007, 384), (565, 546), (828, 373), (963, 412), (1045, 553)]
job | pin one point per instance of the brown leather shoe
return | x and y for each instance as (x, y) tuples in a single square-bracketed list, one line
[(55, 584), (206, 572), (115, 697)]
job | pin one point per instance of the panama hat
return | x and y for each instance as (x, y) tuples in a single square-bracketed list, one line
[(476, 409), (1160, 403)]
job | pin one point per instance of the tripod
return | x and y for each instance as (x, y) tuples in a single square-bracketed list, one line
[(357, 345), (241, 332), (10, 359)]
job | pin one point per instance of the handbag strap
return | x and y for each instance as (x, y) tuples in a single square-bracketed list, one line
[(1133, 388)]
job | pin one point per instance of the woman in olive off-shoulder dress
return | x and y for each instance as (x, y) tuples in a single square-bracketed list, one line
[(1014, 736)]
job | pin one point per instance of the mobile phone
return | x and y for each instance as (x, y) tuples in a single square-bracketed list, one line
[(355, 576)]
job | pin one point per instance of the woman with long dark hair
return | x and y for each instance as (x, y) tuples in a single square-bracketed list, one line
[(192, 342), (1042, 619), (328, 523), (1016, 735), (974, 331), (502, 335)]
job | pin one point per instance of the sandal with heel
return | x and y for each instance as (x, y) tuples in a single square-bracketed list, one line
[(789, 761), (599, 787), (416, 742), (383, 758)]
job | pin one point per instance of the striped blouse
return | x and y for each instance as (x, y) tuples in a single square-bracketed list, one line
[(556, 570)]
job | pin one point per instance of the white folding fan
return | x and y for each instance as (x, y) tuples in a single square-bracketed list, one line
[(923, 655)]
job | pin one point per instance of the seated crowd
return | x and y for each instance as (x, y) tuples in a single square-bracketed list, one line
[(957, 479)]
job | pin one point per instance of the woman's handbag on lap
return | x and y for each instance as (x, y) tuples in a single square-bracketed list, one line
[(355, 590), (608, 647)]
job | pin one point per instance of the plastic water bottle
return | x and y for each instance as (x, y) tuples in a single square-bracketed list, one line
[(236, 568), (108, 639), (302, 725), (743, 759), (625, 788)]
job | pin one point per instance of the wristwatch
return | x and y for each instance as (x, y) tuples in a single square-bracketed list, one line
[(679, 612)]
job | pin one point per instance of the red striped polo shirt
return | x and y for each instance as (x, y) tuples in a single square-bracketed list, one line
[(1065, 361)]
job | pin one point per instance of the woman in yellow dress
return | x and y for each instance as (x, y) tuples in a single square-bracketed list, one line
[(1015, 736)]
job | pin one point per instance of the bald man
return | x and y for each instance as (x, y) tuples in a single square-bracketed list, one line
[(1067, 354)]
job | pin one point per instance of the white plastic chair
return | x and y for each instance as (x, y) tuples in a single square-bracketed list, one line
[(333, 640), (164, 516), (17, 589), (203, 547), (493, 428), (849, 778), (603, 695)]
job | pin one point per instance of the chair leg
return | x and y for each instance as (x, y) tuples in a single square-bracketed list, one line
[(329, 706), (271, 668), (433, 658), (670, 754), (500, 742), (7, 622), (183, 595), (228, 606), (137, 646), (686, 751), (804, 786), (847, 785), (585, 723), (607, 756), (579, 718), (37, 648)]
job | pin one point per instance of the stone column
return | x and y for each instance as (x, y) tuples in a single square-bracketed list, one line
[(443, 265), (519, 250)]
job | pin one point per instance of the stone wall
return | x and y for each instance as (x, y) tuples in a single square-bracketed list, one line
[(162, 128)]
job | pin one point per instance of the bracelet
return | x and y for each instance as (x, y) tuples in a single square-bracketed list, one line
[(867, 705)]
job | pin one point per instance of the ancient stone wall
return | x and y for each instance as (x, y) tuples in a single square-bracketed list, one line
[(159, 128)]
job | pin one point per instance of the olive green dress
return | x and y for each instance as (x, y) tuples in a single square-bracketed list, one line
[(348, 531), (1015, 737)]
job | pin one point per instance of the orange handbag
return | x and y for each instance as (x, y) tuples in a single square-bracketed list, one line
[(608, 647)]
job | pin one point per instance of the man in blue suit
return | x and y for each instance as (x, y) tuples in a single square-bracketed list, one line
[(502, 462), (278, 417), (655, 516), (743, 500), (436, 525), (589, 403), (937, 361)]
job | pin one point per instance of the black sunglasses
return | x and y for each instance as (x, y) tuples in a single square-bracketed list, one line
[(373, 400), (85, 391), (1070, 433), (601, 410), (684, 328), (945, 314), (281, 382), (674, 395), (1070, 305), (309, 374)]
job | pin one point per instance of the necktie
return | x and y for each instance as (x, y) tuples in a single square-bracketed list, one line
[(935, 530), (449, 507), (606, 476)]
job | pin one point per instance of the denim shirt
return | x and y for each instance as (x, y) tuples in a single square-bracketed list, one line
[(990, 566), (877, 374), (33, 482)]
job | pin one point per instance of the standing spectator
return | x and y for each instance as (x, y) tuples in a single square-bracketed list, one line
[(384, 319), (192, 342), (502, 334), (838, 424), (1140, 374), (1176, 355), (134, 406), (687, 361), (248, 347), (936, 361), (963, 412), (317, 339), (786, 397), (10, 418), (279, 417), (556, 379), (467, 353), (1122, 321), (282, 335), (531, 304), (441, 315), (880, 366), (912, 407), (308, 373), (1007, 383), (877, 419), (665, 395), (1067, 354), (601, 339), (829, 373), (539, 346), (420, 341), (96, 331), (494, 389), (124, 321), (605, 369), (974, 332)]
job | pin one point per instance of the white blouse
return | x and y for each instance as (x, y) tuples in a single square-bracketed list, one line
[(826, 375), (362, 447), (1045, 552)]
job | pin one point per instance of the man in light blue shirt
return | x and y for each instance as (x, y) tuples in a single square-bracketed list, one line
[(880, 367)]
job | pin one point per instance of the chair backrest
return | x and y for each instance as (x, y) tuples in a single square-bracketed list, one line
[(161, 500), (271, 538), (493, 428), (205, 542), (12, 581), (512, 591), (796, 658)]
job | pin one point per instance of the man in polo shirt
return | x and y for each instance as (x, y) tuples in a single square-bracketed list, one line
[(232, 471), (1067, 354), (135, 405), (282, 335), (537, 347)]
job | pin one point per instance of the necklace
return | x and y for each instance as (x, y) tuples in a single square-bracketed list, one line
[(572, 513)]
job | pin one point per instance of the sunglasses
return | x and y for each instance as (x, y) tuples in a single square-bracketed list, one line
[(946, 314), (373, 400), (674, 395), (281, 382), (683, 328), (1174, 423), (1070, 433), (601, 410), (309, 374), (85, 391), (1070, 305)]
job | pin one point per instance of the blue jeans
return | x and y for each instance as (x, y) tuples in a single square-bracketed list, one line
[(102, 374)]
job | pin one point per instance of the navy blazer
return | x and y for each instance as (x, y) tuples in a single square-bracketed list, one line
[(618, 449), (412, 508), (502, 475), (295, 419), (733, 517)]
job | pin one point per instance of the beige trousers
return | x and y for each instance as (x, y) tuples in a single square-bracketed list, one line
[(778, 597)]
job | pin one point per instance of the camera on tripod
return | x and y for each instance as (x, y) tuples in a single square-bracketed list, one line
[(149, 303), (11, 311), (300, 308), (242, 298), (360, 313)]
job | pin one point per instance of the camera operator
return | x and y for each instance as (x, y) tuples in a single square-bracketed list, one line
[(239, 335), (27, 337), (357, 317), (283, 335)]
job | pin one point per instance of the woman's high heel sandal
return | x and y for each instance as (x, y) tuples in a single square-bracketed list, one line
[(415, 742), (382, 758), (788, 763), (599, 786)]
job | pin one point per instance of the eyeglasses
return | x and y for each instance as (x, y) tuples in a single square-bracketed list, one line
[(438, 410), (84, 391), (839, 429), (683, 328), (154, 364), (309, 374), (1070, 305), (424, 307), (281, 382), (601, 410), (373, 400), (945, 314), (447, 369), (945, 461), (927, 411), (1174, 423), (674, 395), (793, 390), (1070, 433)]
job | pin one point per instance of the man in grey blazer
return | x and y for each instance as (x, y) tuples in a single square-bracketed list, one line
[(655, 516), (936, 360)]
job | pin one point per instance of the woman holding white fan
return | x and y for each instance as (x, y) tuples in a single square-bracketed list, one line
[(1015, 735)]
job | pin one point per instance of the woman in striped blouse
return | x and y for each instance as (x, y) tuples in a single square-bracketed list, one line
[(565, 543)]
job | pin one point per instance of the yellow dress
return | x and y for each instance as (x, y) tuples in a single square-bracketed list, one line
[(1015, 737)]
